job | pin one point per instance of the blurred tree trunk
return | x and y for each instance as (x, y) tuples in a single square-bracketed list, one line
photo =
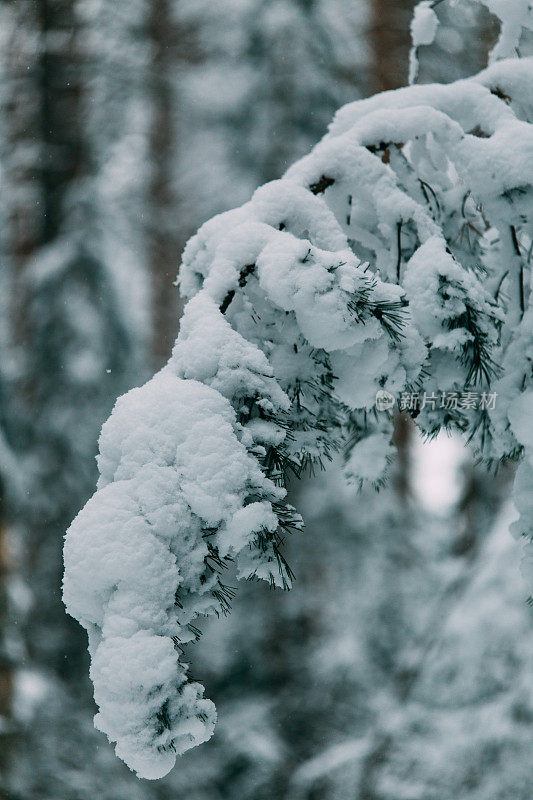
[(64, 155), (165, 242), (43, 150), (22, 145), (389, 41), (64, 160), (6, 661), (6, 656), (21, 235), (403, 438), (45, 156)]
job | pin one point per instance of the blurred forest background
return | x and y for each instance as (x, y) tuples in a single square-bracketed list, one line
[(399, 667)]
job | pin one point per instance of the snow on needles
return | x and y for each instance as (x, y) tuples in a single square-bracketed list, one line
[(394, 257)]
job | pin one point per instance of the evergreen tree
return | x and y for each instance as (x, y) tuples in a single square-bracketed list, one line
[(283, 308)]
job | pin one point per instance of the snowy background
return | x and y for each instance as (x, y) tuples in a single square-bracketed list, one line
[(399, 667)]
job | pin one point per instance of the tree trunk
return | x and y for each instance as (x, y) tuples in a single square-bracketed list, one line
[(165, 242), (390, 41), (46, 153)]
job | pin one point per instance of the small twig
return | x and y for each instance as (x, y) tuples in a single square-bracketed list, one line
[(499, 286), (244, 274), (320, 186), (399, 244), (424, 185), (518, 252)]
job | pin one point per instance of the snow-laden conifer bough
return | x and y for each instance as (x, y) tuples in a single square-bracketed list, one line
[(395, 256)]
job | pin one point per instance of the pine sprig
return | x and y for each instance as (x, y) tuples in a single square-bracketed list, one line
[(392, 316), (476, 353)]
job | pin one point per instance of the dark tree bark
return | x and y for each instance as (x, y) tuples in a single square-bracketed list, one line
[(166, 241), (390, 41)]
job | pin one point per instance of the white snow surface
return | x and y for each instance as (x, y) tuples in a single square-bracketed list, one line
[(424, 25), (391, 257)]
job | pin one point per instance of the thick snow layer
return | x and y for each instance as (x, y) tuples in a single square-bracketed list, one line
[(424, 24), (138, 546), (393, 257)]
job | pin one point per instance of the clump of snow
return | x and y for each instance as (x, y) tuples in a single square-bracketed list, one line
[(173, 468), (424, 25), (369, 458)]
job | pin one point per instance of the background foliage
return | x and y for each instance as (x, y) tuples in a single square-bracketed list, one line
[(402, 671)]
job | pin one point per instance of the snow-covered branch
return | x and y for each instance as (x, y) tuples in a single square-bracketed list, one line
[(381, 262)]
